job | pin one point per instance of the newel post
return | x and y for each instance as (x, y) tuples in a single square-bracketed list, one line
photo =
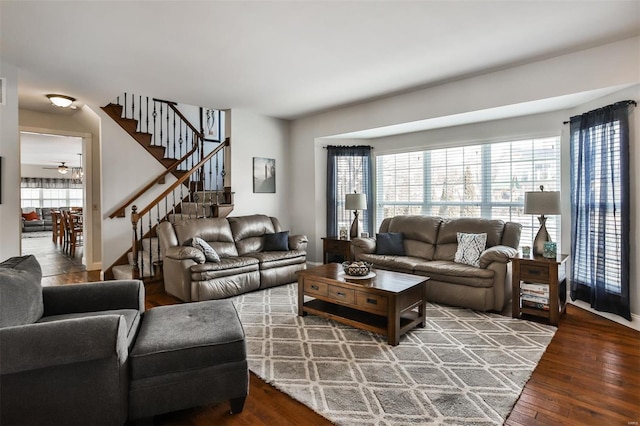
[(135, 218)]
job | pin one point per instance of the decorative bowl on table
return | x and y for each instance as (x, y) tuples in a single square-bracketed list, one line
[(356, 269)]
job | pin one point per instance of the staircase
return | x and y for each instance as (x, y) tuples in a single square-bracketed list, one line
[(200, 172)]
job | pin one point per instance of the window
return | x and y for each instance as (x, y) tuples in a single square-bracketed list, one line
[(45, 192), (600, 198), (484, 180), (349, 169)]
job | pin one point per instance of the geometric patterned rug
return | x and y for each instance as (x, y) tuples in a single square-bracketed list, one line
[(465, 367)]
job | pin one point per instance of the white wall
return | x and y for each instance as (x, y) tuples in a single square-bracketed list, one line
[(632, 93), (579, 72), (573, 73), (254, 135), (10, 174)]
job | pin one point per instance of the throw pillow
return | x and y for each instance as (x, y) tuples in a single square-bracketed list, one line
[(31, 216), (470, 247), (391, 243), (20, 291), (278, 241), (209, 253)]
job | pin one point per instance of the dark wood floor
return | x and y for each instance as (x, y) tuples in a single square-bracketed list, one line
[(50, 255), (588, 376)]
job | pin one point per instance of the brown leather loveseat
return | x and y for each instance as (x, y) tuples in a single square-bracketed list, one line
[(429, 246), (247, 257)]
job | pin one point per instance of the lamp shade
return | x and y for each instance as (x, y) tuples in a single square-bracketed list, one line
[(355, 202), (542, 202)]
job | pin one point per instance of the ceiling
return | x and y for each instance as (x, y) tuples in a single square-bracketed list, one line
[(49, 150), (286, 59)]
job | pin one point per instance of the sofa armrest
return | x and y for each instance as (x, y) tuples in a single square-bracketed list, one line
[(501, 254), (184, 253), (298, 242), (91, 297), (363, 245), (49, 344)]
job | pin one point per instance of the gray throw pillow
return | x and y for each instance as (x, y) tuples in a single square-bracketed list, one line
[(470, 247), (390, 243), (20, 291), (209, 253), (278, 241)]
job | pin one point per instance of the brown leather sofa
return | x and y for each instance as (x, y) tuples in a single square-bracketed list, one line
[(244, 265), (430, 244)]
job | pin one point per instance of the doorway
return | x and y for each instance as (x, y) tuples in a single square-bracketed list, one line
[(52, 180)]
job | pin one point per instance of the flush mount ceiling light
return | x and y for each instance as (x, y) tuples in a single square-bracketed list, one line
[(61, 101)]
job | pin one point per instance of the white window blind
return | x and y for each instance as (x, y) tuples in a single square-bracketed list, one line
[(483, 180)]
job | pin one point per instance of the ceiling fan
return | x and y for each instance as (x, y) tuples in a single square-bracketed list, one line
[(62, 168)]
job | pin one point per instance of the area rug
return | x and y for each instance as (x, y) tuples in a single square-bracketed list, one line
[(464, 367)]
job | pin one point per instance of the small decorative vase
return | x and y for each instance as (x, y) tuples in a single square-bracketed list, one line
[(549, 250)]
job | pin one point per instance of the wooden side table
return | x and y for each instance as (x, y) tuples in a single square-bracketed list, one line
[(334, 245), (543, 273)]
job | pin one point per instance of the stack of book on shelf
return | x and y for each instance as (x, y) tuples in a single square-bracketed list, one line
[(535, 296)]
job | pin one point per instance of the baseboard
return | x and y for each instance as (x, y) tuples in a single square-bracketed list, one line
[(635, 318), (96, 266)]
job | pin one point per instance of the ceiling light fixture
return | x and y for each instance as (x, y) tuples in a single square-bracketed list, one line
[(61, 101), (63, 169)]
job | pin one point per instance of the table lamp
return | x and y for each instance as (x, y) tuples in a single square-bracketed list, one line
[(355, 202), (541, 202)]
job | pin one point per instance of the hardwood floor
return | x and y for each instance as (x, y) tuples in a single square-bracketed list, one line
[(588, 376), (52, 259)]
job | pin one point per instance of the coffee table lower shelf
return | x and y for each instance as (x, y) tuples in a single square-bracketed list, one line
[(360, 319)]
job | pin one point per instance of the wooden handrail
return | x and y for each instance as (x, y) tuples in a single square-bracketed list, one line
[(187, 122), (120, 211), (135, 216)]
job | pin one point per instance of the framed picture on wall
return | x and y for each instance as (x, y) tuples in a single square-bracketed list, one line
[(210, 124), (264, 175)]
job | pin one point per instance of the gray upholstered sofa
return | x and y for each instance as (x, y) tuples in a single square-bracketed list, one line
[(246, 260), (430, 245), (89, 354)]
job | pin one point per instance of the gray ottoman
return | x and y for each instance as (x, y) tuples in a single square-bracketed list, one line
[(187, 356)]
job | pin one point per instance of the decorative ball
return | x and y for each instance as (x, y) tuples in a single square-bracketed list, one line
[(358, 269)]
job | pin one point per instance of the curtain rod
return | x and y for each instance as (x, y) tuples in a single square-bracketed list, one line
[(347, 146), (627, 102)]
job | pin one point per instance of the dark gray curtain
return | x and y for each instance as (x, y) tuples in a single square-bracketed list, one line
[(600, 209), (349, 169)]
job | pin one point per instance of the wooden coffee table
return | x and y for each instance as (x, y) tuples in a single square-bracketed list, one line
[(391, 303)]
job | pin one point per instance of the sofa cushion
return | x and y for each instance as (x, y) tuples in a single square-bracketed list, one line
[(278, 241), (458, 273), (20, 291), (275, 259), (248, 232), (470, 247), (447, 243), (215, 231), (189, 337), (390, 243), (420, 233), (394, 263), (209, 253), (227, 266)]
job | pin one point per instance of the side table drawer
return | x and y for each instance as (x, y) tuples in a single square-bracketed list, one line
[(535, 273), (315, 287), (373, 302), (343, 295)]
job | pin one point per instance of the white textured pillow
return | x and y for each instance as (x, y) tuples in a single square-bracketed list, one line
[(209, 253), (470, 246)]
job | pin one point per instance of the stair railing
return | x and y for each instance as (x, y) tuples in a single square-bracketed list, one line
[(157, 121), (179, 201)]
